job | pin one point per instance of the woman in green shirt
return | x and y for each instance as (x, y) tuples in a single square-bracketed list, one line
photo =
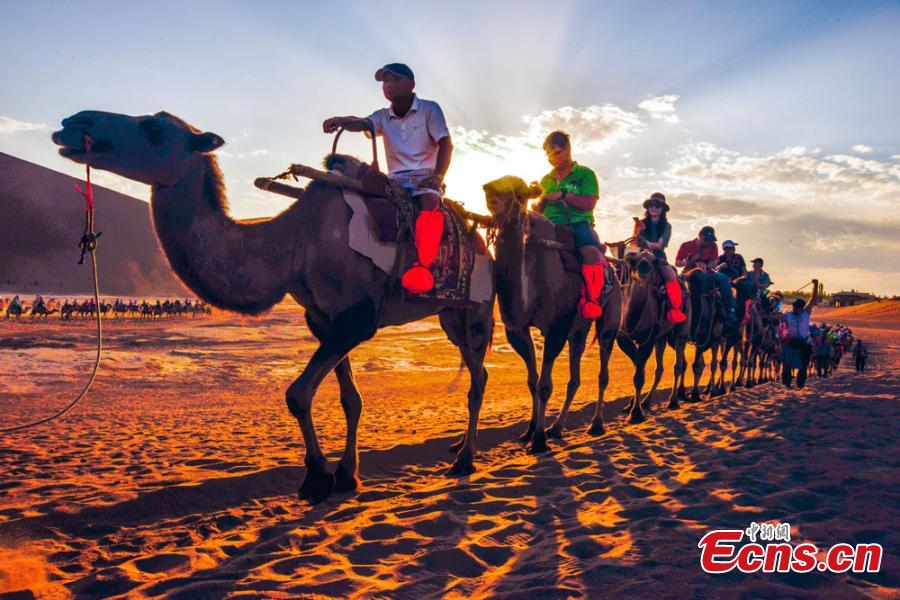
[(570, 195)]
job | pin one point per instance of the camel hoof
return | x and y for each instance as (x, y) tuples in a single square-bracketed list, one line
[(555, 431), (461, 468), (538, 444), (637, 418), (526, 437), (345, 481), (596, 429), (673, 404), (455, 446), (317, 486)]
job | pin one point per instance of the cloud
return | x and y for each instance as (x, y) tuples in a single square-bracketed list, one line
[(862, 149), (8, 125), (593, 129), (635, 172), (661, 107), (794, 174)]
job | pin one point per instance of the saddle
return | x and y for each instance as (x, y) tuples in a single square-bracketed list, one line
[(381, 229), (548, 235)]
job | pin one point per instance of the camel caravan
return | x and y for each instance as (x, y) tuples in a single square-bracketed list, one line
[(71, 310), (361, 249)]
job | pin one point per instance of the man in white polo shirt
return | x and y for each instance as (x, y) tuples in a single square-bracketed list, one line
[(418, 147)]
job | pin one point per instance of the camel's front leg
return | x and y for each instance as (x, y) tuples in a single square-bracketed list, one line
[(344, 333), (660, 350), (697, 368), (678, 372), (577, 342), (523, 344), (640, 364), (346, 475), (553, 345), (606, 348)]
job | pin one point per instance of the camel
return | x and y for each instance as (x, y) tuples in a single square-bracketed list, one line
[(753, 335), (707, 328), (534, 290), (646, 329), (734, 338), (247, 267)]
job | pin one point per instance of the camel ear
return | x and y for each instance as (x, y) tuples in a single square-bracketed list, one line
[(205, 142), (535, 190)]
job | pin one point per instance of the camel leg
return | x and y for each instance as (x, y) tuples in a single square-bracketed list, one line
[(554, 343), (678, 373), (606, 347), (346, 475), (523, 344), (697, 368), (630, 350), (660, 350), (713, 368), (471, 332), (641, 356), (718, 382), (346, 332), (577, 343)]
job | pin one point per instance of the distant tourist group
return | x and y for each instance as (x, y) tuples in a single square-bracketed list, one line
[(87, 309)]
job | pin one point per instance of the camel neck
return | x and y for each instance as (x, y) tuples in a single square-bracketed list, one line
[(234, 266), (512, 273)]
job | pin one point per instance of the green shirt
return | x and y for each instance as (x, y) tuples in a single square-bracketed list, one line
[(581, 181)]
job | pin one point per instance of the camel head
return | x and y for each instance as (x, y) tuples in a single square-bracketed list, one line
[(153, 149), (507, 194), (346, 165), (643, 266)]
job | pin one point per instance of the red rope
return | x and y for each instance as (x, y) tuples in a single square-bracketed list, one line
[(89, 193)]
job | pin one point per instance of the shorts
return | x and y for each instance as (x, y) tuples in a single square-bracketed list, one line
[(411, 181), (584, 235)]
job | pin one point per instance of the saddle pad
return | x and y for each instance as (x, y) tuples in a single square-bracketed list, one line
[(462, 275)]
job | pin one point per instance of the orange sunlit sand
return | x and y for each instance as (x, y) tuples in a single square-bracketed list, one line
[(187, 483)]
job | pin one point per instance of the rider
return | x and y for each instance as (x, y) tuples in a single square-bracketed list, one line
[(653, 233), (759, 278), (797, 335), (418, 147), (570, 193), (733, 265), (700, 256)]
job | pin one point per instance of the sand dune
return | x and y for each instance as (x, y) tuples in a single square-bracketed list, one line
[(178, 475)]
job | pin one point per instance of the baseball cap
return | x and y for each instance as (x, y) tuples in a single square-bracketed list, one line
[(728, 244), (396, 69), (708, 233)]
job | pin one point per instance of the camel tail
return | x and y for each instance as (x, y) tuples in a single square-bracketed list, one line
[(596, 336), (454, 383)]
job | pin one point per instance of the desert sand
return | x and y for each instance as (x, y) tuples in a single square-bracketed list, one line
[(177, 475)]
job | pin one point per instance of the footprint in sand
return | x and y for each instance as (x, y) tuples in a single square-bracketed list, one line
[(161, 563)]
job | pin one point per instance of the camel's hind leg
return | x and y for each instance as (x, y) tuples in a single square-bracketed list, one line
[(523, 344), (343, 334), (471, 331), (577, 343)]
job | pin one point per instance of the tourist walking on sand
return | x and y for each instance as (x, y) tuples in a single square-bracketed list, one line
[(797, 344), (860, 353)]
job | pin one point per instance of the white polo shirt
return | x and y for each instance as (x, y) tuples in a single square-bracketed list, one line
[(411, 143)]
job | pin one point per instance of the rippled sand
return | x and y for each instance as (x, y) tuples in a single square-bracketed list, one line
[(178, 474)]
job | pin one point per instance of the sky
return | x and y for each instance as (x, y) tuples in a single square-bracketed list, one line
[(775, 122)]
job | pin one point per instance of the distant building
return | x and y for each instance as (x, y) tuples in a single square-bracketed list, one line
[(851, 298)]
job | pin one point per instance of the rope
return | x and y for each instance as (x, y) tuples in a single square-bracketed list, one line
[(88, 243)]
